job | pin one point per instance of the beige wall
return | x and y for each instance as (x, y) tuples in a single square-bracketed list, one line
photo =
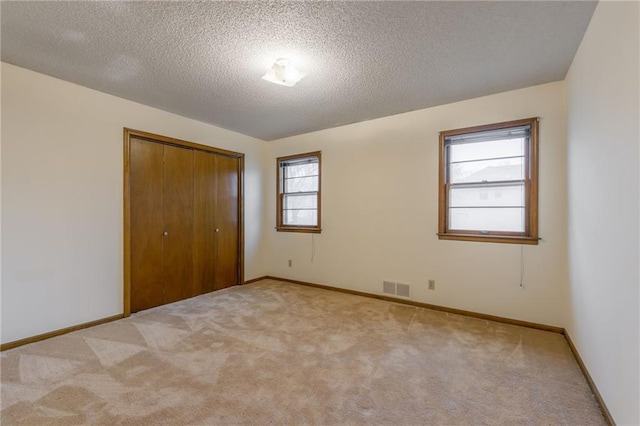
[(603, 139), (380, 212), (62, 167)]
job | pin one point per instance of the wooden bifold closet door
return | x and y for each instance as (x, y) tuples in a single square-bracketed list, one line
[(147, 224), (215, 222), (182, 221)]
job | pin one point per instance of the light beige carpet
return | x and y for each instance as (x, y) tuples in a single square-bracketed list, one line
[(279, 353)]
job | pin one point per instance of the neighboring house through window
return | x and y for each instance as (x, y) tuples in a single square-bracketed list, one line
[(298, 204), (489, 183)]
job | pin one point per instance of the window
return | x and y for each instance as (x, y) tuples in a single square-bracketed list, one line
[(489, 183), (299, 193)]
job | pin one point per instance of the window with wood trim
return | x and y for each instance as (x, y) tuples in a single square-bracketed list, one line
[(299, 185), (489, 183)]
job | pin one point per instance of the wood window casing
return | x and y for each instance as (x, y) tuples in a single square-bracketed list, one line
[(281, 226), (530, 180)]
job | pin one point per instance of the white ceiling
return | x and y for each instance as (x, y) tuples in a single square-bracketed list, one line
[(364, 60)]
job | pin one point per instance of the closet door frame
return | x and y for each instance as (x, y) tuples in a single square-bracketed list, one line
[(151, 137)]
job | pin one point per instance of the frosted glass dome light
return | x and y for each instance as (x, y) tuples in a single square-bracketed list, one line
[(284, 73)]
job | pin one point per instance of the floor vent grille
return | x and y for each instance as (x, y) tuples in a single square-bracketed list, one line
[(403, 290), (396, 289), (388, 287)]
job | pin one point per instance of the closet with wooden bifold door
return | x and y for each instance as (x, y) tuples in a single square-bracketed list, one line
[(183, 220)]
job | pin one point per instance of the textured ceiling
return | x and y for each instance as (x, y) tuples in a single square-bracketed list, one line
[(364, 60)]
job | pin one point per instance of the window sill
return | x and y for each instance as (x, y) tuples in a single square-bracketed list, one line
[(490, 238), (298, 229)]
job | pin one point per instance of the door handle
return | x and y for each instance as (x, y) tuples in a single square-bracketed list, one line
[(165, 233), (217, 230)]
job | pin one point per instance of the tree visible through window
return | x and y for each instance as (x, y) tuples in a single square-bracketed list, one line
[(489, 183), (299, 193)]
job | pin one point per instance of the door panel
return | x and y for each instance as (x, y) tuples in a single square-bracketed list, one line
[(146, 224), (226, 219), (204, 248), (178, 224)]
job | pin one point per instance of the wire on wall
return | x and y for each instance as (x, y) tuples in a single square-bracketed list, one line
[(313, 247), (522, 265)]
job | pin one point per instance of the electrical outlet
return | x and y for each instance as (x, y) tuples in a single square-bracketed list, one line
[(290, 263), (432, 284)]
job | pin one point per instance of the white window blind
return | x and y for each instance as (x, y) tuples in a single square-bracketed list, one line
[(486, 178)]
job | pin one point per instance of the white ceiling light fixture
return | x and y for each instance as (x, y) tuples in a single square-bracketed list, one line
[(284, 73)]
